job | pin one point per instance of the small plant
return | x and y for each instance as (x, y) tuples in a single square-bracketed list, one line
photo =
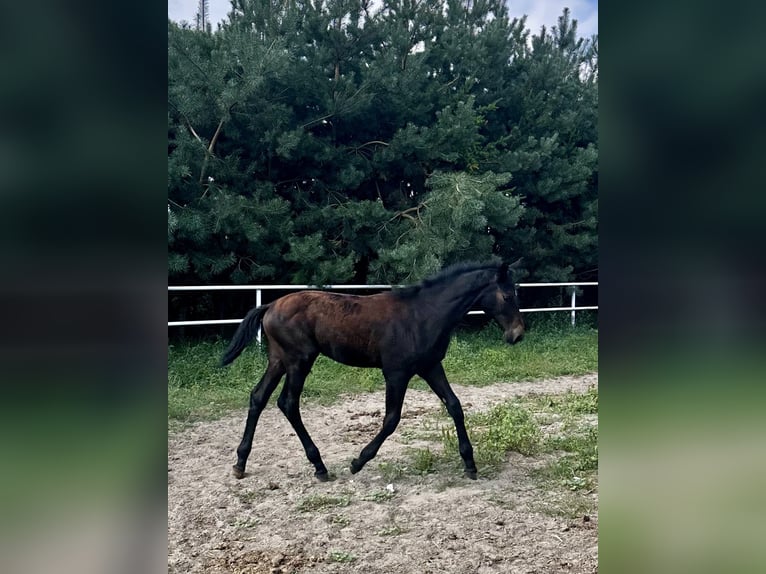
[(380, 496), (512, 427), (393, 530), (391, 470), (322, 501), (506, 427), (341, 556), (245, 522), (571, 505), (248, 496), (577, 467), (339, 519), (573, 404), (423, 460)]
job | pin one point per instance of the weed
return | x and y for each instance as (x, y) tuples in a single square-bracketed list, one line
[(322, 501), (341, 556), (567, 505), (380, 496), (248, 496), (423, 460), (571, 404), (393, 530), (506, 427), (339, 519), (391, 470), (577, 467), (245, 522)]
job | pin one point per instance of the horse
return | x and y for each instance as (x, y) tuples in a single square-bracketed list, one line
[(404, 332)]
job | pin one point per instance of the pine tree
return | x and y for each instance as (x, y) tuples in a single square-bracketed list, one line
[(337, 140)]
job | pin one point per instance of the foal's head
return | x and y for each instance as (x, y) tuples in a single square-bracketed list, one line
[(499, 300)]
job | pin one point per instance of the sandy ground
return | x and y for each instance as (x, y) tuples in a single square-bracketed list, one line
[(440, 522)]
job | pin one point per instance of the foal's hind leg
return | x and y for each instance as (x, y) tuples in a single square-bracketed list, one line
[(289, 404), (437, 380), (258, 399), (396, 386)]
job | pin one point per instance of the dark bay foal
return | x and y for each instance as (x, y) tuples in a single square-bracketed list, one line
[(404, 333)]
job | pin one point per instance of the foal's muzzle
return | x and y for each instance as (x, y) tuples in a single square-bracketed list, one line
[(514, 335)]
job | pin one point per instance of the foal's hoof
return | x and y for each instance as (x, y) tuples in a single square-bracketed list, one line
[(356, 466), (322, 476), (470, 474), (238, 472)]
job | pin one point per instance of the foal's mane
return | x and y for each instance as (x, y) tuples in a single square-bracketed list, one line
[(446, 275)]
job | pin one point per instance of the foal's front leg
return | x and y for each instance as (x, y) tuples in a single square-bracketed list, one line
[(437, 380), (396, 386)]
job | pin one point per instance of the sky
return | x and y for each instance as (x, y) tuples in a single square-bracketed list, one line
[(539, 12)]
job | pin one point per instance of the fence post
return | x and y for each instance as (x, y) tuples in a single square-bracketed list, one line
[(574, 301), (258, 304)]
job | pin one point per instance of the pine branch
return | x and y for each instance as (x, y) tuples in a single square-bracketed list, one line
[(209, 152), (209, 149), (183, 53), (373, 142), (318, 120), (406, 213), (448, 84)]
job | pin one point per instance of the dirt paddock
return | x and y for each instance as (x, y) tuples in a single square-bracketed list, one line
[(279, 519)]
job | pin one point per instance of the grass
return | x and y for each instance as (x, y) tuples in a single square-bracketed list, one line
[(339, 519), (423, 460), (504, 428), (559, 425), (317, 502), (576, 445), (392, 530), (199, 389), (562, 428), (576, 467), (570, 404), (249, 496), (341, 556), (379, 496), (391, 471)]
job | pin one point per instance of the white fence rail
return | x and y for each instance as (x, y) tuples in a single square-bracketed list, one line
[(260, 288)]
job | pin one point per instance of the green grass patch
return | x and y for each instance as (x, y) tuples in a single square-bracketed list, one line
[(558, 432), (249, 496), (576, 468), (576, 444), (379, 496), (423, 460), (199, 389), (341, 556), (570, 404), (391, 471), (339, 520), (506, 427), (317, 502), (392, 530)]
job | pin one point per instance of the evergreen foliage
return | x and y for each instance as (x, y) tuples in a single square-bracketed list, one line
[(329, 141)]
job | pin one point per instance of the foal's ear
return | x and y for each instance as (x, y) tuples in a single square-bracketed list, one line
[(502, 272)]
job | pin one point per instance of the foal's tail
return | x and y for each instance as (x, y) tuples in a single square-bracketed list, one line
[(245, 333)]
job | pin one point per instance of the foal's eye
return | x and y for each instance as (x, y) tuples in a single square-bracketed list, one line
[(509, 296)]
